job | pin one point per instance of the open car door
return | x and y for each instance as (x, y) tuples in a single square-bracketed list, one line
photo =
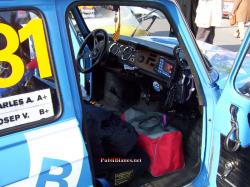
[(232, 120)]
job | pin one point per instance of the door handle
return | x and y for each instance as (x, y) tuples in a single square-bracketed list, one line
[(234, 131)]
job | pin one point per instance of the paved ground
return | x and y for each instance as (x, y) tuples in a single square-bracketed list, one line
[(224, 36)]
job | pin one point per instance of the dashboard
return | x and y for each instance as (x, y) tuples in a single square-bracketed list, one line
[(161, 67), (143, 58)]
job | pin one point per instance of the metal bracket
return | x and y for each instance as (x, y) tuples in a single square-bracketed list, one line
[(228, 168)]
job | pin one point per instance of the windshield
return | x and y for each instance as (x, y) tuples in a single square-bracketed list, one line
[(135, 21), (140, 22)]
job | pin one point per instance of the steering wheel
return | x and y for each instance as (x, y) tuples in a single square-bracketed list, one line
[(99, 39)]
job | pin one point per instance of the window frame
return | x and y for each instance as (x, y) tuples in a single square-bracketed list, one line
[(238, 71), (57, 114)]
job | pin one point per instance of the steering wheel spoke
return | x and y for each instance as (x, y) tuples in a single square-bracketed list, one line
[(99, 39), (95, 41)]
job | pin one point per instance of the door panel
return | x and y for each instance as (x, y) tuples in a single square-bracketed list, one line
[(236, 93), (239, 176), (232, 122)]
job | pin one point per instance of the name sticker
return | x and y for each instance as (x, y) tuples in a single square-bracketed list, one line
[(25, 108)]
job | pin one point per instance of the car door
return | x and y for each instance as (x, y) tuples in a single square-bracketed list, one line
[(232, 123), (41, 143)]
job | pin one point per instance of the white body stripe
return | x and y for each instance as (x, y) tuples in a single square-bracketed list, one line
[(62, 141)]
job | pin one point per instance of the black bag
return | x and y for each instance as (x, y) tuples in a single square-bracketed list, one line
[(113, 145), (108, 134)]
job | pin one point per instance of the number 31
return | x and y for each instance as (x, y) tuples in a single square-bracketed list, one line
[(32, 28)]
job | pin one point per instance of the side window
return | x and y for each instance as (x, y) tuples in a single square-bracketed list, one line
[(242, 82), (28, 91)]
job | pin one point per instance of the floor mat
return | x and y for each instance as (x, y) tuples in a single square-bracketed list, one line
[(174, 179)]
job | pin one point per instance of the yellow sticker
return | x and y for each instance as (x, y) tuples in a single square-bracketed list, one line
[(6, 55), (35, 29), (123, 177)]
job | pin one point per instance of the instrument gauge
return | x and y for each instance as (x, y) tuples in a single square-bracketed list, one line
[(127, 53), (114, 48)]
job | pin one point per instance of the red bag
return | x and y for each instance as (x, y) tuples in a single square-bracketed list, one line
[(165, 152), (162, 143)]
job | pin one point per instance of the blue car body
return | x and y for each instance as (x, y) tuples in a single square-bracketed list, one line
[(55, 153)]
